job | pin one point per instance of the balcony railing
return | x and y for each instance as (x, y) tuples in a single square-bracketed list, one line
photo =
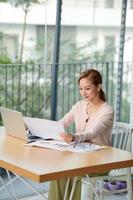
[(27, 87)]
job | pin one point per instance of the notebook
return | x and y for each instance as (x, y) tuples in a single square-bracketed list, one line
[(14, 125)]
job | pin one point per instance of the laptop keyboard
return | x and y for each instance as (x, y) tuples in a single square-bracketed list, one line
[(32, 138)]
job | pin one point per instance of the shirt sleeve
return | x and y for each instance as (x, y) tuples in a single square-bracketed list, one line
[(103, 122), (68, 118)]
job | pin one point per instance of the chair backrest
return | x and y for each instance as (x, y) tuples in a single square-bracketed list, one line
[(122, 136)]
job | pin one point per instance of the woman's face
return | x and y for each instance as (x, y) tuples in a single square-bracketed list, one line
[(88, 90)]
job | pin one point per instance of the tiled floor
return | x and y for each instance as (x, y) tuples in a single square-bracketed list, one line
[(24, 193), (114, 197)]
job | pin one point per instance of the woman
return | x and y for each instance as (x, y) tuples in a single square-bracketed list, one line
[(93, 119)]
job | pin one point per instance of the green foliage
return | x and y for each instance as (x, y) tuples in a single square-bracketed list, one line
[(125, 111), (27, 3), (1, 35), (22, 90), (4, 59), (71, 52)]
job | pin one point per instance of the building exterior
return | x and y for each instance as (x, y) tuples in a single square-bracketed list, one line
[(94, 25)]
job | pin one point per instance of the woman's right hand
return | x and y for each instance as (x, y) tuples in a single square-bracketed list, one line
[(67, 137)]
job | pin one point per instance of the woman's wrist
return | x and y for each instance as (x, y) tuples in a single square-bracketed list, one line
[(79, 138)]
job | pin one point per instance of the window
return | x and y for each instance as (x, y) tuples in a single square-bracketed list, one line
[(8, 45), (110, 47), (131, 4), (109, 3)]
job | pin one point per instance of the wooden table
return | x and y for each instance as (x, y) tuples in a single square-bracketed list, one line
[(40, 164)]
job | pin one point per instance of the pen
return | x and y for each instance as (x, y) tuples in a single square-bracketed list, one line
[(75, 144), (30, 141), (48, 139)]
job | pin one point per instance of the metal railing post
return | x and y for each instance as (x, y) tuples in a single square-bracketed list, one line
[(54, 70), (120, 63)]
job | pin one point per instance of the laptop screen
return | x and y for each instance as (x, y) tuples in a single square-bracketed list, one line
[(13, 123)]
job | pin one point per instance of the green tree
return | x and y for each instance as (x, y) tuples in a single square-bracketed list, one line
[(26, 5)]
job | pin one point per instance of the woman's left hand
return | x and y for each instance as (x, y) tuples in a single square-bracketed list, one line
[(67, 137)]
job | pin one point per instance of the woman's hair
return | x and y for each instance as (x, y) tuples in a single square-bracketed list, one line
[(95, 77)]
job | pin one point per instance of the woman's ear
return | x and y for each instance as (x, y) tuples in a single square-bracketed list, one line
[(99, 87)]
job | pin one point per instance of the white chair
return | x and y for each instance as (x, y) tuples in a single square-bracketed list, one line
[(122, 139)]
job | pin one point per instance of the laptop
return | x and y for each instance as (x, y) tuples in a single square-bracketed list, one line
[(14, 125)]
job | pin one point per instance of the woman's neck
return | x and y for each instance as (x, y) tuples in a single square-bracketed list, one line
[(94, 106)]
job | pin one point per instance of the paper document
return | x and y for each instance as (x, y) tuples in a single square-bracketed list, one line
[(46, 129), (60, 145)]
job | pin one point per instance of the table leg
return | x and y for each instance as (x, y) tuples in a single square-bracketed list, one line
[(10, 182), (66, 189), (73, 188), (31, 187), (91, 185), (6, 187)]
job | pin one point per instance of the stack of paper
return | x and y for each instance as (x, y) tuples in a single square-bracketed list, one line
[(60, 145), (50, 131), (46, 129)]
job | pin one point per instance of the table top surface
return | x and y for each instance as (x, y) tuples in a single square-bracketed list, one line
[(41, 164)]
